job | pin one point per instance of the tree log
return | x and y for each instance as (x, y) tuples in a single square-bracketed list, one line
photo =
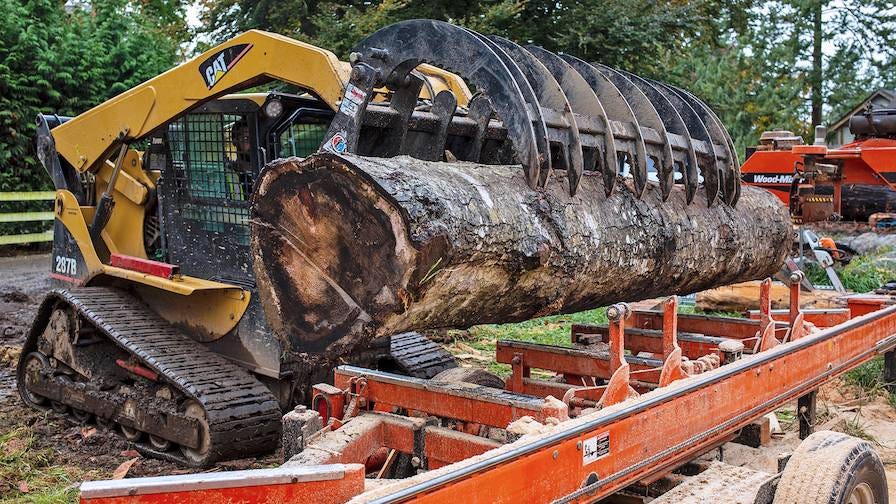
[(349, 248), (745, 296), (860, 201)]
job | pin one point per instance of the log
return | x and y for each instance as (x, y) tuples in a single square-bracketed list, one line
[(347, 249), (859, 201), (744, 296)]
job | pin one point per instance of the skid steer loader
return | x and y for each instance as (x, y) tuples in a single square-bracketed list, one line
[(159, 330)]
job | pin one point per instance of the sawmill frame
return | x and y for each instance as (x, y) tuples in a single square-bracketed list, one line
[(629, 440)]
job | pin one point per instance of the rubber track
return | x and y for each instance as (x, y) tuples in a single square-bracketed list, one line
[(244, 417), (419, 356)]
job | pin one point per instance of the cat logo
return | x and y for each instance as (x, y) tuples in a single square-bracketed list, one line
[(216, 66)]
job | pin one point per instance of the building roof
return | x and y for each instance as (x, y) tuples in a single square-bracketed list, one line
[(887, 94)]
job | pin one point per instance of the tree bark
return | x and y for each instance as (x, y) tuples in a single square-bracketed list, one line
[(348, 248)]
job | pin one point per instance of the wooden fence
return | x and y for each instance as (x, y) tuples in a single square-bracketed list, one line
[(10, 197)]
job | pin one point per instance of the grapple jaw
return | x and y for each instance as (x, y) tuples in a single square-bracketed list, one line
[(531, 107)]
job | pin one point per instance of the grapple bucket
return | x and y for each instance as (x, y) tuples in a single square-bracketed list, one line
[(530, 107)]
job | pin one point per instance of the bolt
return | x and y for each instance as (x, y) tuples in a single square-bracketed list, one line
[(415, 461), (579, 446), (618, 311), (556, 454)]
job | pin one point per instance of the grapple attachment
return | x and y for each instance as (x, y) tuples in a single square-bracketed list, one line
[(530, 107)]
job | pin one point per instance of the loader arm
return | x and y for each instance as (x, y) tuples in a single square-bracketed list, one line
[(247, 60)]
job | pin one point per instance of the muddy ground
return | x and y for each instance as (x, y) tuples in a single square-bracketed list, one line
[(44, 458)]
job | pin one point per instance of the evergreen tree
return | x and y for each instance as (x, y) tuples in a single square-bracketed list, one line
[(66, 59)]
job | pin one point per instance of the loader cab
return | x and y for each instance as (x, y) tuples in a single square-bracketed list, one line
[(209, 160)]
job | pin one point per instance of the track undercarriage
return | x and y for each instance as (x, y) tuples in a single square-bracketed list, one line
[(99, 354)]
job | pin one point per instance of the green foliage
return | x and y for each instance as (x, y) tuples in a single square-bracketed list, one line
[(628, 34), (65, 60), (863, 274), (551, 330), (870, 378)]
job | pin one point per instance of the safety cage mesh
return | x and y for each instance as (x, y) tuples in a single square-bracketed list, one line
[(212, 178), (204, 193)]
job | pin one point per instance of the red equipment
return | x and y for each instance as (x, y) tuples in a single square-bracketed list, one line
[(631, 412), (864, 169)]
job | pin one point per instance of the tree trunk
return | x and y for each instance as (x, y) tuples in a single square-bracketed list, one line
[(817, 79), (347, 249)]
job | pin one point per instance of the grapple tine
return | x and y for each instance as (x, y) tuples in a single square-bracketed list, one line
[(555, 108), (531, 107), (702, 140), (598, 144), (391, 53), (620, 117), (723, 144), (648, 118), (676, 130), (444, 105), (480, 112), (533, 101)]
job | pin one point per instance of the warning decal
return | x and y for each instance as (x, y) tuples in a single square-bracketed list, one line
[(595, 447), (352, 101)]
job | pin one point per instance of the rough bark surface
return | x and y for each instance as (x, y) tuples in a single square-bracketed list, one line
[(350, 248)]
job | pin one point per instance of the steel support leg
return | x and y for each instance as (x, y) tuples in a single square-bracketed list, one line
[(890, 371), (806, 412)]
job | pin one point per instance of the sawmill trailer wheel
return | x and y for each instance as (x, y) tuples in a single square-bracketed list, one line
[(832, 467)]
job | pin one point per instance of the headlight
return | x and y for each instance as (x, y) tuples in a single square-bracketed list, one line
[(273, 108)]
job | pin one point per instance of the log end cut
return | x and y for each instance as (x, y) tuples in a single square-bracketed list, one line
[(324, 252)]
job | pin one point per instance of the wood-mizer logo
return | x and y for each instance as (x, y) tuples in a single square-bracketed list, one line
[(218, 64)]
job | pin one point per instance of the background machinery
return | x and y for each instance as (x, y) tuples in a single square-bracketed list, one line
[(160, 329), (849, 182), (853, 182)]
